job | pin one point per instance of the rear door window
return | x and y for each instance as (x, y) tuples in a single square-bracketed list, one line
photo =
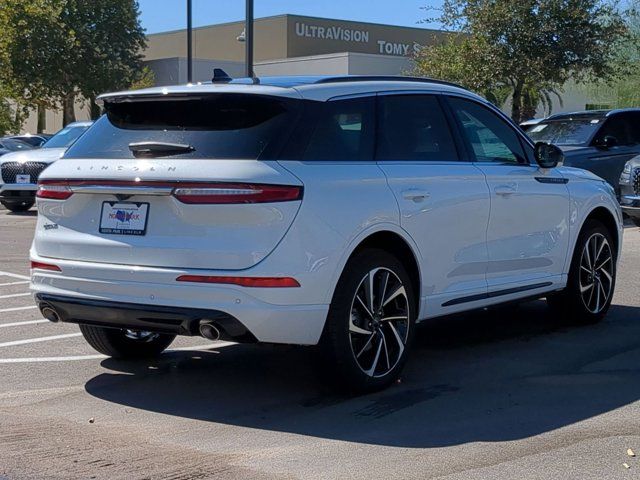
[(341, 130), (217, 126), (413, 128)]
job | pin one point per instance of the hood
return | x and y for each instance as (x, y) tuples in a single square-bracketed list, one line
[(43, 155), (570, 149), (579, 173)]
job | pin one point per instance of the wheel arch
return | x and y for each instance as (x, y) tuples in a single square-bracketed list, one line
[(395, 243), (608, 219)]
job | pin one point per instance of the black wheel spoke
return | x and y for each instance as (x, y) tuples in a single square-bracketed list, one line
[(379, 323), (595, 281)]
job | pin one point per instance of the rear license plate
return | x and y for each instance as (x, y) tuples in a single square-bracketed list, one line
[(23, 179), (120, 218)]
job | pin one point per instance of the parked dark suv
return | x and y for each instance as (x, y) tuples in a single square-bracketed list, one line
[(630, 190), (600, 141)]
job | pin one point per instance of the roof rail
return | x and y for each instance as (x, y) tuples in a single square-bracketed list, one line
[(384, 78)]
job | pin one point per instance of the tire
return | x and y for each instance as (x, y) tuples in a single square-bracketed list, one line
[(577, 303), (18, 207), (123, 344), (355, 343)]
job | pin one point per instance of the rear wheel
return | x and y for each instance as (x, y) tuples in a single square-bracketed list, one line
[(370, 323), (592, 277), (17, 207), (126, 343)]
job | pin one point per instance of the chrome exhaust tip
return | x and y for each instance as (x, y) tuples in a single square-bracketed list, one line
[(209, 331), (50, 314)]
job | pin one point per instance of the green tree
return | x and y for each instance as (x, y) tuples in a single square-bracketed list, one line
[(527, 49), (53, 51)]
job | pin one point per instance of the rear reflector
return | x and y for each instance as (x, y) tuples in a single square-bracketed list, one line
[(255, 282), (236, 193), (54, 191), (45, 266)]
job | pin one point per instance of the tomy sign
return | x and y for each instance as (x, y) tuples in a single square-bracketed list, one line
[(361, 36)]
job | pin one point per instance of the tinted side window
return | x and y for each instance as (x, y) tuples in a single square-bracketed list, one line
[(622, 127), (343, 130), (413, 127), (490, 137)]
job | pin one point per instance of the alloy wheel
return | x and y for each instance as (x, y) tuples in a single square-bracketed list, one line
[(596, 273), (140, 335), (379, 322)]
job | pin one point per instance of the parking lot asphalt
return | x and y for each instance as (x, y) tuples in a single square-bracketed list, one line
[(504, 393)]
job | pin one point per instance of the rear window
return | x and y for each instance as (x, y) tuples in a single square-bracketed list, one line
[(222, 126)]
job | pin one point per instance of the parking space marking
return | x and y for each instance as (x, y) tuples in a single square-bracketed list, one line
[(14, 275), (14, 295), (16, 309), (21, 282), (40, 339), (19, 324), (76, 358)]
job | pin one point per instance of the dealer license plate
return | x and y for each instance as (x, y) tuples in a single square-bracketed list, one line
[(124, 218), (22, 179)]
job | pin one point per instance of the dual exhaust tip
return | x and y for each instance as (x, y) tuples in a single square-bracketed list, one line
[(49, 313), (206, 328)]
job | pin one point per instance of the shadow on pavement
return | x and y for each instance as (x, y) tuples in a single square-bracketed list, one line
[(497, 375)]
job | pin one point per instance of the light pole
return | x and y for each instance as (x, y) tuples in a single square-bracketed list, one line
[(189, 42), (248, 38)]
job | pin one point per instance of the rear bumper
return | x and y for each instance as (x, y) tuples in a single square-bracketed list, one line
[(173, 320), (92, 293)]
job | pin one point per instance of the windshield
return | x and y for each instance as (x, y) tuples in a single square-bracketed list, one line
[(14, 145), (65, 137), (218, 126), (566, 131)]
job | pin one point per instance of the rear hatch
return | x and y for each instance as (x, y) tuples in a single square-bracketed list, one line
[(182, 181)]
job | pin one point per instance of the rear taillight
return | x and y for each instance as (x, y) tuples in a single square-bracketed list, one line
[(236, 193), (54, 190), (254, 282), (45, 266), (185, 192)]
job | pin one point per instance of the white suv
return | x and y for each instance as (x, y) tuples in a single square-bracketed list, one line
[(336, 211)]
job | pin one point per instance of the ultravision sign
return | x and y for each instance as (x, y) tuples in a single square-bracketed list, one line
[(357, 36)]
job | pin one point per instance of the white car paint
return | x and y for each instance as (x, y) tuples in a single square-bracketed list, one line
[(468, 238)]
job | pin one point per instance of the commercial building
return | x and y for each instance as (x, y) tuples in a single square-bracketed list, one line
[(290, 45)]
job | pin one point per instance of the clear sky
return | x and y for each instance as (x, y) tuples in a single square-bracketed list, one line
[(163, 15)]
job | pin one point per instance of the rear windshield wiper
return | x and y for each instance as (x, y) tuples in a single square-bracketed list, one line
[(158, 149)]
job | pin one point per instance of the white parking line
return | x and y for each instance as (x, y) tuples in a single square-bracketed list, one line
[(21, 282), (14, 295), (37, 340), (15, 309), (99, 357), (14, 275), (19, 324)]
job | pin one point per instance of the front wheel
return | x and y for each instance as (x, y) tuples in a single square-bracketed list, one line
[(370, 324), (126, 344), (592, 277)]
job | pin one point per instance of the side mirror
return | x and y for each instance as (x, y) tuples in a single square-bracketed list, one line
[(606, 142), (547, 155)]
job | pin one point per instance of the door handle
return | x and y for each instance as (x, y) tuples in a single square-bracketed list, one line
[(507, 189), (415, 195)]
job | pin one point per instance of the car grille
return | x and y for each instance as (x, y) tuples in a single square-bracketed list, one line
[(636, 181), (11, 169)]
